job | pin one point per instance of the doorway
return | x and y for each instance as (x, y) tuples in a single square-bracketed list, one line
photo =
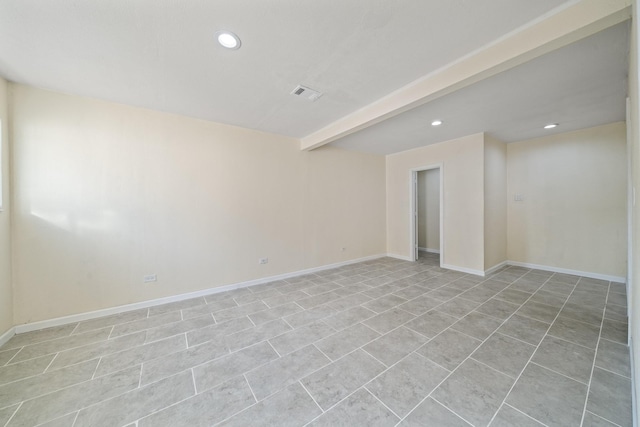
[(427, 212)]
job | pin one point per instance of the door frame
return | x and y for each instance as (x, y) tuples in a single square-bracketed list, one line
[(413, 210)]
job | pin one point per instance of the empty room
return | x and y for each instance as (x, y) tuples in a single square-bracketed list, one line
[(312, 213)]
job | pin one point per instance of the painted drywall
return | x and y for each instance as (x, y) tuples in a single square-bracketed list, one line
[(462, 175), (6, 294), (573, 212), (633, 278), (495, 202), (105, 194), (429, 210)]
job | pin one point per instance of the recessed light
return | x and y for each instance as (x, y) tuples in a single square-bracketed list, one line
[(228, 40), (436, 123), (551, 125)]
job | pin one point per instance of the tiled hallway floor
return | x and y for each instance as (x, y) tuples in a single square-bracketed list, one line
[(380, 343)]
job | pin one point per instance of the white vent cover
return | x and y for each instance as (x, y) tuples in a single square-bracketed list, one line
[(306, 92)]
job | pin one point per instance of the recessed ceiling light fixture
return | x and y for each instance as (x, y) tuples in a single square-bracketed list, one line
[(228, 40), (550, 125), (436, 123)]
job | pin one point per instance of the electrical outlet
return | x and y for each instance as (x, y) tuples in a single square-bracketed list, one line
[(150, 278), (263, 260), (518, 197)]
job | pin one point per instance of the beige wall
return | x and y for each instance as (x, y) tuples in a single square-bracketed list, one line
[(495, 202), (429, 209), (6, 295), (573, 215), (462, 175), (106, 193), (634, 140)]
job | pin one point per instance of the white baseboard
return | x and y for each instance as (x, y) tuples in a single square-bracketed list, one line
[(431, 251), (496, 267), (463, 269), (28, 327), (7, 336), (402, 257), (568, 271)]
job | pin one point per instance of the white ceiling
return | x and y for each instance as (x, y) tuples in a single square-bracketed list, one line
[(579, 86), (161, 54)]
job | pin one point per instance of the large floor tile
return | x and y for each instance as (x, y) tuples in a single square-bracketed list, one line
[(458, 307), (53, 346), (138, 403), (551, 398), (432, 413), (284, 371), (449, 349), (389, 320), (20, 370), (339, 344), (498, 308), (406, 384), (474, 391), (610, 397), (301, 337), (525, 329), (291, 406), (431, 323), (359, 409), (136, 355), (48, 334), (32, 387), (348, 317), (173, 363), (334, 382), (82, 395), (510, 417), (261, 332), (477, 325), (217, 371), (564, 357), (206, 408), (395, 345), (577, 332), (612, 331), (505, 354), (218, 331), (614, 357)]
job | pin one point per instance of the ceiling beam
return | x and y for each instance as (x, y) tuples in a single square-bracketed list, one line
[(579, 20)]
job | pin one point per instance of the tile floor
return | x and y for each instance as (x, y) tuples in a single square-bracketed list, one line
[(379, 343)]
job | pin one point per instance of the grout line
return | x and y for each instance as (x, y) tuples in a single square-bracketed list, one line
[(489, 366), (248, 384), (570, 342), (612, 372), (75, 328), (556, 372), (445, 407), (76, 418), (50, 363), (603, 418), (526, 415), (312, 398), (274, 349), (504, 400), (469, 356), (140, 376), (379, 400), (14, 413), (595, 356)]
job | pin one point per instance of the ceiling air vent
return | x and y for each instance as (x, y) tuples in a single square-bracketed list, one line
[(306, 92)]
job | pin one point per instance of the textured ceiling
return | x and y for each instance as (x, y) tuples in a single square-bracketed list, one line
[(161, 54)]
